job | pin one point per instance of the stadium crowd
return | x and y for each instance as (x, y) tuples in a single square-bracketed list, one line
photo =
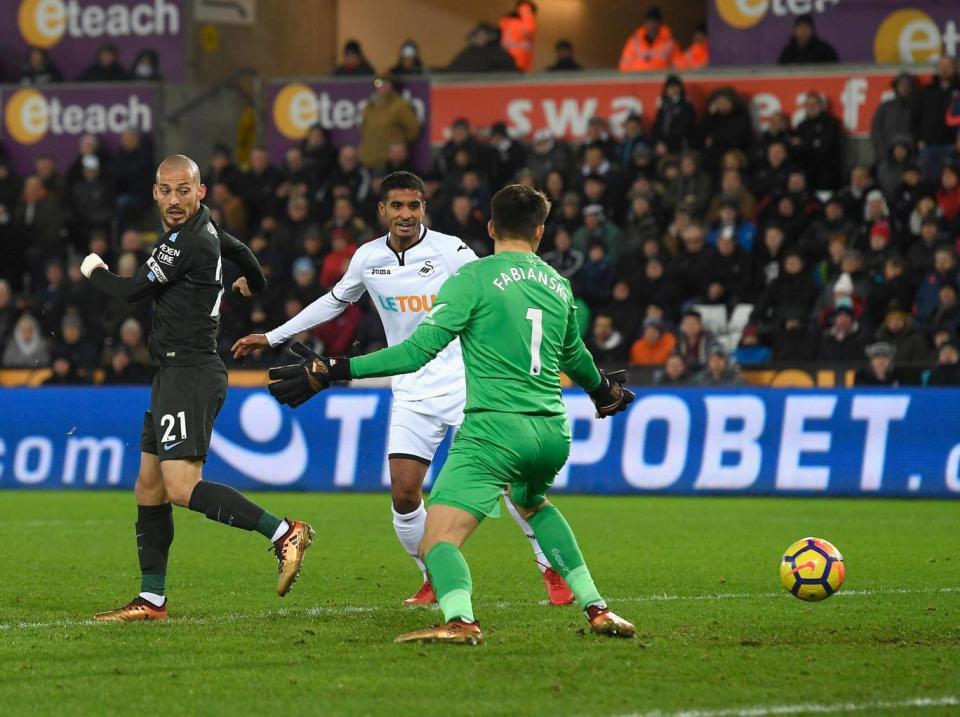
[(694, 243)]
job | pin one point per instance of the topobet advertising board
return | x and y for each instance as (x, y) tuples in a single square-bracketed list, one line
[(721, 442)]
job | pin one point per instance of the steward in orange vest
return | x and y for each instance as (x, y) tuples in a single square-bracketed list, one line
[(651, 47), (517, 31), (698, 54)]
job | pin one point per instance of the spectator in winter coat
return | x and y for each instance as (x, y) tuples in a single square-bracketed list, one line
[(675, 125), (805, 47), (38, 222), (948, 196), (726, 126), (38, 69), (691, 187), (731, 275), (768, 257), (483, 53), (719, 371), (548, 155), (342, 249), (658, 288), (693, 341), (891, 165), (879, 370), (654, 346), (818, 145), (947, 370), (408, 61), (695, 264), (387, 118), (770, 178), (944, 272), (518, 30), (922, 252), (674, 372), (566, 259), (641, 226), (26, 348), (896, 287), (733, 189), (730, 223), (625, 311), (843, 342), (750, 352), (131, 170), (354, 63), (785, 308), (597, 229), (121, 370), (816, 239), (64, 373), (564, 60), (934, 137), (910, 343), (146, 66), (606, 344), (893, 118), (91, 200), (651, 47), (596, 278), (257, 186), (946, 315), (107, 67), (507, 157)]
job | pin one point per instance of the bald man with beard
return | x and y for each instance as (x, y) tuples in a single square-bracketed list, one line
[(184, 276)]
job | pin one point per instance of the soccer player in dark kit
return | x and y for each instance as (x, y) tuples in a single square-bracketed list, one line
[(184, 277)]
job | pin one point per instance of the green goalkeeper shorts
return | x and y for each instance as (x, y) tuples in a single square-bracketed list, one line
[(493, 451)]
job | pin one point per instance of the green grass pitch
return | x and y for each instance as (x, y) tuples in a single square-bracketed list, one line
[(718, 635)]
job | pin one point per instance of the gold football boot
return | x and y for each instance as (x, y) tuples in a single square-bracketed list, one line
[(605, 622), (456, 632), (290, 550), (136, 610)]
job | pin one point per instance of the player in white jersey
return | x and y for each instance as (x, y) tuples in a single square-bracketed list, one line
[(403, 271)]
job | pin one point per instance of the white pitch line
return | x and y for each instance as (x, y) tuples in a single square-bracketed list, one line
[(813, 708), (354, 609)]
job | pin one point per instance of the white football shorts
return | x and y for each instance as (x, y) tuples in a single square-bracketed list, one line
[(418, 427)]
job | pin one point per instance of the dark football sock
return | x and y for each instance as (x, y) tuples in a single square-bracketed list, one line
[(225, 505), (154, 536)]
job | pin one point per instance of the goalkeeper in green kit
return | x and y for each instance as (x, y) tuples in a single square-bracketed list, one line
[(515, 318)]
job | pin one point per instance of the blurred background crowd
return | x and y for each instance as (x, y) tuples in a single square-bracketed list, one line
[(695, 244)]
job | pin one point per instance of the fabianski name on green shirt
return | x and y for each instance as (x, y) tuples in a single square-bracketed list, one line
[(531, 274)]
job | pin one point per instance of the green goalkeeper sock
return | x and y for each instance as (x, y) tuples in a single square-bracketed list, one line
[(560, 545), (450, 576)]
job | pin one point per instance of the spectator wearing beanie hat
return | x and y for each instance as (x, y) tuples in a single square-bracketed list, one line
[(354, 63)]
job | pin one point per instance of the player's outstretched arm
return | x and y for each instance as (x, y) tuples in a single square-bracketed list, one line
[(297, 383), (324, 309), (328, 307), (141, 284)]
